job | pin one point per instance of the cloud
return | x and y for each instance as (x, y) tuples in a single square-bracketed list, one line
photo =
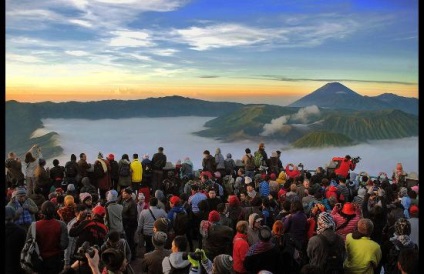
[(280, 123), (77, 53), (23, 58), (127, 38)]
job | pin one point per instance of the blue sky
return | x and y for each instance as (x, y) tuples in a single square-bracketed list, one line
[(248, 51)]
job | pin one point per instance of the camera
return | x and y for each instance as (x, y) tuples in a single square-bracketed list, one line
[(356, 160), (195, 255), (85, 248)]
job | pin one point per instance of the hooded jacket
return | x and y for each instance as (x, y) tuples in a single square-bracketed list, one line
[(174, 260)]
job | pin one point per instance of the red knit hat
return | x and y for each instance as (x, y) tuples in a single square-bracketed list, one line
[(214, 216), (413, 209), (111, 157), (99, 210), (174, 200), (233, 200)]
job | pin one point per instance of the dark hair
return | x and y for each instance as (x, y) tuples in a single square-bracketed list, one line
[(153, 201), (113, 258), (160, 149), (82, 155), (135, 156), (206, 152), (195, 187), (296, 206), (55, 162), (114, 236), (180, 242), (48, 209), (125, 156), (247, 150), (73, 157), (29, 158), (220, 207), (408, 260)]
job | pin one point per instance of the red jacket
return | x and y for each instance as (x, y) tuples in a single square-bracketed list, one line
[(240, 248), (345, 166)]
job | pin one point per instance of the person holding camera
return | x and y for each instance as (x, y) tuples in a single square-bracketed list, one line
[(31, 160), (222, 264), (346, 164)]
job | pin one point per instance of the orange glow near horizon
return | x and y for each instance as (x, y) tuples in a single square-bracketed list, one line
[(221, 92)]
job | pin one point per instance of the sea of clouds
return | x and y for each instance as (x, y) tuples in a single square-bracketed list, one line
[(145, 135)]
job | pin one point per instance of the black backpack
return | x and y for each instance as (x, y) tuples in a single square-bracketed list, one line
[(184, 270), (71, 169), (124, 170), (180, 223), (98, 170), (334, 261)]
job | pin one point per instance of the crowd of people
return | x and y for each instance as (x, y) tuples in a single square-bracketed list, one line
[(249, 216)]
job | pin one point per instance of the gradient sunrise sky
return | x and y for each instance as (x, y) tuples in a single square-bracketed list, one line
[(249, 51)]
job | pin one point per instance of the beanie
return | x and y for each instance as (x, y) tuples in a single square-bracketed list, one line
[(70, 187), (159, 238), (264, 233), (20, 192), (99, 210), (69, 200), (214, 216), (174, 200), (402, 227), (161, 224), (111, 157), (84, 196), (223, 263), (233, 200), (112, 195)]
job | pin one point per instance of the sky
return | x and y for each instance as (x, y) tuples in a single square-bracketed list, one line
[(248, 51)]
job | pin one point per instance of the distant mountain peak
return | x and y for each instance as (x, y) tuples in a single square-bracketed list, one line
[(335, 88)]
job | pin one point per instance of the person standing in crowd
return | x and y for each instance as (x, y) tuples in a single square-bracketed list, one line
[(208, 162), (152, 261), (114, 240), (25, 208), (14, 242), (103, 181), (146, 181), (84, 166), (186, 169), (249, 163), (175, 261), (136, 173), (113, 219), (52, 239), (220, 161), (346, 218), (240, 247), (90, 227), (318, 249), (158, 163), (146, 220), (124, 173), (193, 201), (67, 211), (57, 174), (408, 261), (129, 218), (262, 152), (263, 255), (31, 160), (42, 177), (14, 172), (346, 164), (358, 261), (68, 258), (114, 170), (72, 172)]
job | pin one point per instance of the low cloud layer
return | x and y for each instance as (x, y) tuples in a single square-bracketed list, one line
[(174, 134)]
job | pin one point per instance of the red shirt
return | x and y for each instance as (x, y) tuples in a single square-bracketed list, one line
[(48, 237)]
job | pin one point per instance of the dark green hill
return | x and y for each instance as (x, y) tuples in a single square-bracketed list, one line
[(323, 139)]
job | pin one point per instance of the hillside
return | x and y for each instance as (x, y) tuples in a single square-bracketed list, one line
[(323, 139)]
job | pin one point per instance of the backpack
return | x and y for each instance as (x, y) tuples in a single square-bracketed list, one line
[(174, 270), (159, 162), (31, 260), (334, 261), (98, 170), (228, 183), (114, 169), (124, 170), (250, 163), (71, 169), (180, 223), (258, 159)]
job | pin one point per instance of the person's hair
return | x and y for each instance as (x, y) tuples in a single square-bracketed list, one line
[(365, 226), (310, 269), (153, 201), (180, 241), (195, 187), (73, 157), (247, 150), (296, 206), (220, 207), (206, 152), (113, 259), (48, 209), (286, 205), (408, 260), (114, 236), (125, 156), (277, 227), (29, 158), (242, 226), (160, 149), (135, 156), (55, 162), (60, 199), (82, 155)]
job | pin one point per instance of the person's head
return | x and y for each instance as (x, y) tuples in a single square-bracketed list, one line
[(29, 158), (48, 210), (402, 227), (408, 260), (21, 195), (153, 201), (114, 259), (265, 233), (86, 198), (161, 224), (206, 153), (99, 212), (222, 264), (126, 193), (243, 195), (160, 149), (242, 227), (233, 200), (73, 157), (83, 156), (247, 150), (212, 193), (255, 221), (175, 201), (113, 236), (214, 216), (125, 157), (365, 226), (179, 244), (55, 162), (325, 221), (100, 155), (159, 239), (296, 206), (135, 156), (277, 227), (261, 146), (111, 195)]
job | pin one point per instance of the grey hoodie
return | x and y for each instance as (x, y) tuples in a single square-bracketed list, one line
[(176, 259)]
